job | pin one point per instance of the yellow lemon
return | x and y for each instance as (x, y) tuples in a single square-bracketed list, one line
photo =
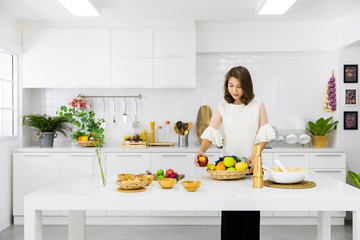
[(241, 166)]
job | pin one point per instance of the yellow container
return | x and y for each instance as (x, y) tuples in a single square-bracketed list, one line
[(143, 135), (152, 136)]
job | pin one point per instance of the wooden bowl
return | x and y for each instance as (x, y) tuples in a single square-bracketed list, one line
[(131, 184), (149, 178), (191, 186), (167, 183), (124, 176)]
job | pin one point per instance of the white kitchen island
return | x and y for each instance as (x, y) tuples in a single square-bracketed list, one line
[(77, 195)]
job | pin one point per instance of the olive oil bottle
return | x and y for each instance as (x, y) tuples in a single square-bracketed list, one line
[(258, 181)]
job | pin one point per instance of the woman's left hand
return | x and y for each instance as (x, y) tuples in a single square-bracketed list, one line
[(250, 162)]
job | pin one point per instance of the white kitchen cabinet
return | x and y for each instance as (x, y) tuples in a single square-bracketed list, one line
[(293, 159), (132, 53), (267, 160), (66, 57), (31, 172), (182, 163), (134, 163)]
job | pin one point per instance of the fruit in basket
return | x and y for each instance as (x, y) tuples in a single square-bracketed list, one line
[(160, 177), (231, 169), (170, 175), (241, 166), (203, 160), (85, 138), (229, 162), (169, 171), (212, 167), (160, 172), (220, 167), (208, 166)]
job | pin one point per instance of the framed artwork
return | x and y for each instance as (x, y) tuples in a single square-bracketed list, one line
[(350, 120), (351, 97), (350, 73)]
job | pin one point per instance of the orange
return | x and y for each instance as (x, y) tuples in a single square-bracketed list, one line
[(220, 167), (219, 163)]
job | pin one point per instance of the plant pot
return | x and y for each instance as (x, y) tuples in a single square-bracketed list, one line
[(319, 141), (46, 139)]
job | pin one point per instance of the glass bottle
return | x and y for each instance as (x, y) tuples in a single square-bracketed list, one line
[(160, 135), (143, 135), (167, 132)]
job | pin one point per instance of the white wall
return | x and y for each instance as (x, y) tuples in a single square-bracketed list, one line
[(348, 28), (290, 84)]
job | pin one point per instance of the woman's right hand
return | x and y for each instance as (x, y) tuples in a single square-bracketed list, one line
[(196, 158)]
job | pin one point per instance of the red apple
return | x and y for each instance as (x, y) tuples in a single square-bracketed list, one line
[(203, 160)]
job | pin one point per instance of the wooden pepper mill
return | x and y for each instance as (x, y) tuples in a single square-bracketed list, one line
[(258, 181)]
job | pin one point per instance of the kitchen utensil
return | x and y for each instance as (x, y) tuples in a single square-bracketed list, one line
[(292, 175), (185, 127), (103, 113), (186, 132), (179, 126), (176, 130), (167, 183), (91, 104), (136, 123), (304, 139), (291, 139), (282, 167), (114, 120), (125, 116), (203, 120), (190, 125), (191, 186)]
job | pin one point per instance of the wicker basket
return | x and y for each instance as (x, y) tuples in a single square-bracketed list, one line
[(87, 143), (227, 175), (131, 184)]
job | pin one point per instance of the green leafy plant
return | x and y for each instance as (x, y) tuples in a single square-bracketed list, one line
[(46, 123), (322, 126), (86, 122), (354, 178)]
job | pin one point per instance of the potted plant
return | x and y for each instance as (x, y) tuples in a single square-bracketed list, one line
[(47, 127), (319, 131)]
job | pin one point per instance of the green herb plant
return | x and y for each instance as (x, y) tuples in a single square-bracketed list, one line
[(354, 178), (46, 123), (88, 126), (322, 126)]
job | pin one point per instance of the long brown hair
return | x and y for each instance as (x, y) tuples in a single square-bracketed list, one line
[(243, 75)]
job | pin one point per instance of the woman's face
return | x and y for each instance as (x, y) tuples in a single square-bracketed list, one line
[(234, 87)]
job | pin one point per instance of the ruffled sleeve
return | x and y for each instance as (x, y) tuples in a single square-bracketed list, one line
[(213, 135), (265, 134)]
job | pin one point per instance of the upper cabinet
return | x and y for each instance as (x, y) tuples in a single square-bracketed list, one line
[(123, 57), (66, 57)]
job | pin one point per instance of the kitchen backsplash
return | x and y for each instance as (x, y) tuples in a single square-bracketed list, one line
[(290, 84)]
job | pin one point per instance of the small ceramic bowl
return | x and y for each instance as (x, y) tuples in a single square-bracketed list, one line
[(124, 176), (291, 139), (167, 183), (191, 186), (304, 139), (294, 175), (149, 179)]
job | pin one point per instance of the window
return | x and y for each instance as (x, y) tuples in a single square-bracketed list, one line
[(8, 96)]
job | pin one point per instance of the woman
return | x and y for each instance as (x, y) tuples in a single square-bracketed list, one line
[(245, 124)]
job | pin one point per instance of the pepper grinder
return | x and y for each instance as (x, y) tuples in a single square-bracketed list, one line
[(258, 181)]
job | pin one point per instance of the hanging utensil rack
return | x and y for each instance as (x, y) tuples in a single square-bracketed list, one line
[(138, 96)]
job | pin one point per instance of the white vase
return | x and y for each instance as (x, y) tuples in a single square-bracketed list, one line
[(99, 168)]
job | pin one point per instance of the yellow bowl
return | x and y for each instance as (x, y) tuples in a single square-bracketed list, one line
[(167, 183), (191, 186), (124, 176), (149, 179)]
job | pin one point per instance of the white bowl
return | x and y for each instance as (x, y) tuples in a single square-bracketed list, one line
[(304, 139), (291, 139), (294, 175)]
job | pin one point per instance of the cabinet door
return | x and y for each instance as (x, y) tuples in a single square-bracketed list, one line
[(182, 163), (170, 42), (66, 57), (134, 163), (132, 43), (328, 160), (174, 73), (32, 171), (132, 72)]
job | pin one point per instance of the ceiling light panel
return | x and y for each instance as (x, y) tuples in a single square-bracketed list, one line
[(81, 7), (273, 7)]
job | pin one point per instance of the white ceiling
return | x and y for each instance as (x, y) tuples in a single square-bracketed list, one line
[(198, 10)]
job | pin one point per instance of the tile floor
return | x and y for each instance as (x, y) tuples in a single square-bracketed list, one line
[(177, 232)]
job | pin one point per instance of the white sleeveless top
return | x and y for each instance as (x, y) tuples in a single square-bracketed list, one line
[(241, 129)]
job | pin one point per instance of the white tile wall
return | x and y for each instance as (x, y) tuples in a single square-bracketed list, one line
[(290, 84)]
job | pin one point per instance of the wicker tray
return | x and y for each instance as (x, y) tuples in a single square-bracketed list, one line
[(227, 175), (87, 143)]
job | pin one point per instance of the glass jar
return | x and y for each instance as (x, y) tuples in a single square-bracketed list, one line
[(167, 132), (160, 135), (143, 135)]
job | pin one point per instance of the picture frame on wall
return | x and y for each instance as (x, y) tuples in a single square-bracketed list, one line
[(351, 120), (351, 73), (351, 97)]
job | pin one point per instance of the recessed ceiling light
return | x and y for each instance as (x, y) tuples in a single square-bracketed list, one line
[(273, 7), (81, 7)]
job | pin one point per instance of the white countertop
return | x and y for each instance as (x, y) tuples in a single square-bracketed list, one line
[(116, 148)]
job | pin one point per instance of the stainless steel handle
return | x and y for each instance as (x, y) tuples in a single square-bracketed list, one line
[(36, 155), (327, 170), (82, 155), (292, 154), (173, 155), (129, 155), (328, 155)]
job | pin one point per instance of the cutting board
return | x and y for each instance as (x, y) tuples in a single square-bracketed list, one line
[(203, 120)]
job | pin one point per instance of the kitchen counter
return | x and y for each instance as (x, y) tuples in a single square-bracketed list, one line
[(116, 148)]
